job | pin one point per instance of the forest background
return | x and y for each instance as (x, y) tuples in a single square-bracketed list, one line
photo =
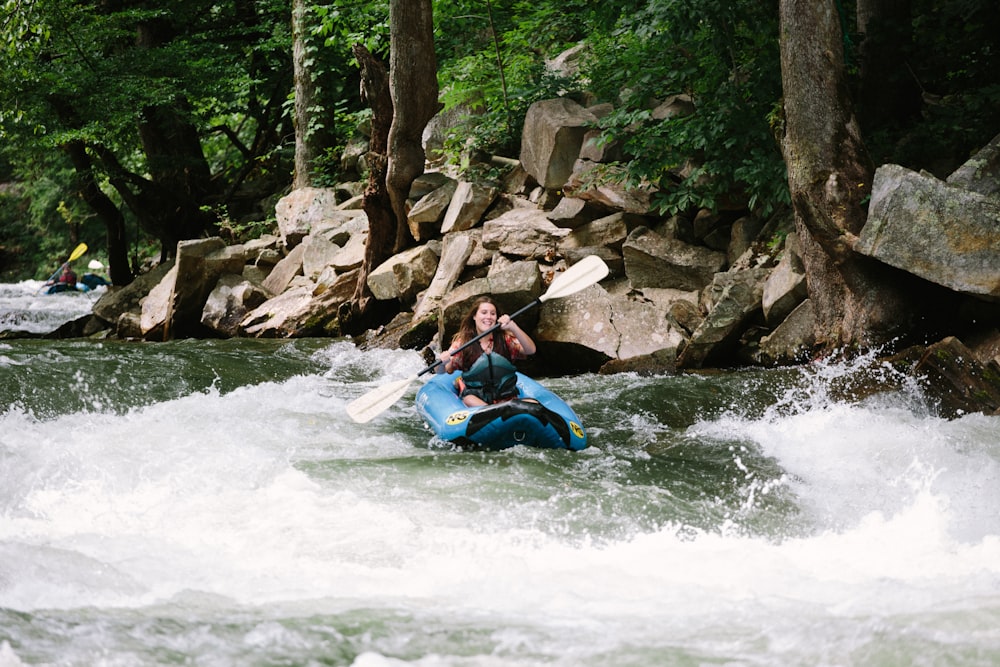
[(130, 126)]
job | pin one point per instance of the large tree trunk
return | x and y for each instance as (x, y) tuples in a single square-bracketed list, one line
[(180, 180), (830, 176), (91, 193), (361, 312), (310, 139), (414, 90)]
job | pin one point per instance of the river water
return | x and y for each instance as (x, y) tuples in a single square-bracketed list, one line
[(210, 503)]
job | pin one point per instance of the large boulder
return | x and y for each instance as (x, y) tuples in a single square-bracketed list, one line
[(467, 206), (572, 212), (609, 231), (793, 340), (424, 219), (523, 232), (734, 297), (443, 123), (785, 287), (551, 141), (957, 380), (120, 300), (302, 209), (981, 173), (352, 247), (455, 252), (340, 246), (155, 308), (577, 332), (300, 311), (648, 341), (229, 303), (287, 268), (614, 328), (404, 274), (654, 260), (173, 309), (945, 234), (318, 253), (601, 185)]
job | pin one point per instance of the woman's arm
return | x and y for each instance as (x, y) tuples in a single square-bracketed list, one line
[(523, 339)]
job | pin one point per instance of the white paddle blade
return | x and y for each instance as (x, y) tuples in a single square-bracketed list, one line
[(588, 271), (365, 408)]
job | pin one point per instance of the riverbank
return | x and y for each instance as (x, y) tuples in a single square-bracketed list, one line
[(710, 290)]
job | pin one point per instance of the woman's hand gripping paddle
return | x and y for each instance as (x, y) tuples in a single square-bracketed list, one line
[(588, 271)]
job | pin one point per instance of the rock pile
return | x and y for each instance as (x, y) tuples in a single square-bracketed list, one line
[(716, 289)]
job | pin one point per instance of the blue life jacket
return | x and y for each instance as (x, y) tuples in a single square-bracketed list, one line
[(492, 378)]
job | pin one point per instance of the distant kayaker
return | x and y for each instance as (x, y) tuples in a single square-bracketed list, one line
[(65, 281), (488, 376)]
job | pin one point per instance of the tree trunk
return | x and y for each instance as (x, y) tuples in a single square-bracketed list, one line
[(180, 178), (830, 176), (358, 314), (91, 193), (310, 140), (414, 90)]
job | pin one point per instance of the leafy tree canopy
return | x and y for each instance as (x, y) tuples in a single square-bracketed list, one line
[(94, 70)]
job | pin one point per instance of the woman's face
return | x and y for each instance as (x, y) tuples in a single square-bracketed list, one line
[(485, 317)]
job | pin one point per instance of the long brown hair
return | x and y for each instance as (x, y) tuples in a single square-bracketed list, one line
[(467, 331)]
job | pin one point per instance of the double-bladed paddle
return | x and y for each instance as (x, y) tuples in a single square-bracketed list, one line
[(588, 271)]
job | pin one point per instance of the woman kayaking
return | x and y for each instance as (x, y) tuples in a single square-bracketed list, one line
[(488, 375)]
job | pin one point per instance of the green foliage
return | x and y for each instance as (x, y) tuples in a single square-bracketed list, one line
[(240, 232), (85, 72), (722, 56), (952, 55), (74, 71), (498, 89)]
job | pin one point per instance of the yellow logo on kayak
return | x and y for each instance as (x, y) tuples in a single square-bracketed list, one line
[(577, 429), (457, 417)]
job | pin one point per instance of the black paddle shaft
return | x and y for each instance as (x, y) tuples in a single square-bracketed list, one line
[(478, 337)]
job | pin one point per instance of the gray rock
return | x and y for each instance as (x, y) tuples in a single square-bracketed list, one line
[(784, 290), (229, 303), (791, 341), (173, 308), (467, 206), (299, 312), (120, 300), (609, 231), (455, 252), (404, 274), (605, 185), (525, 233), (424, 219), (302, 209), (981, 173), (734, 297), (283, 272), (652, 260), (551, 140), (942, 233)]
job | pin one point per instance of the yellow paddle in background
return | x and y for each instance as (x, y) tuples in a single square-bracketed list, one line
[(73, 256)]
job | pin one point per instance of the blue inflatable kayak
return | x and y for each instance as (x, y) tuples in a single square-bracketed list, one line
[(537, 418)]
